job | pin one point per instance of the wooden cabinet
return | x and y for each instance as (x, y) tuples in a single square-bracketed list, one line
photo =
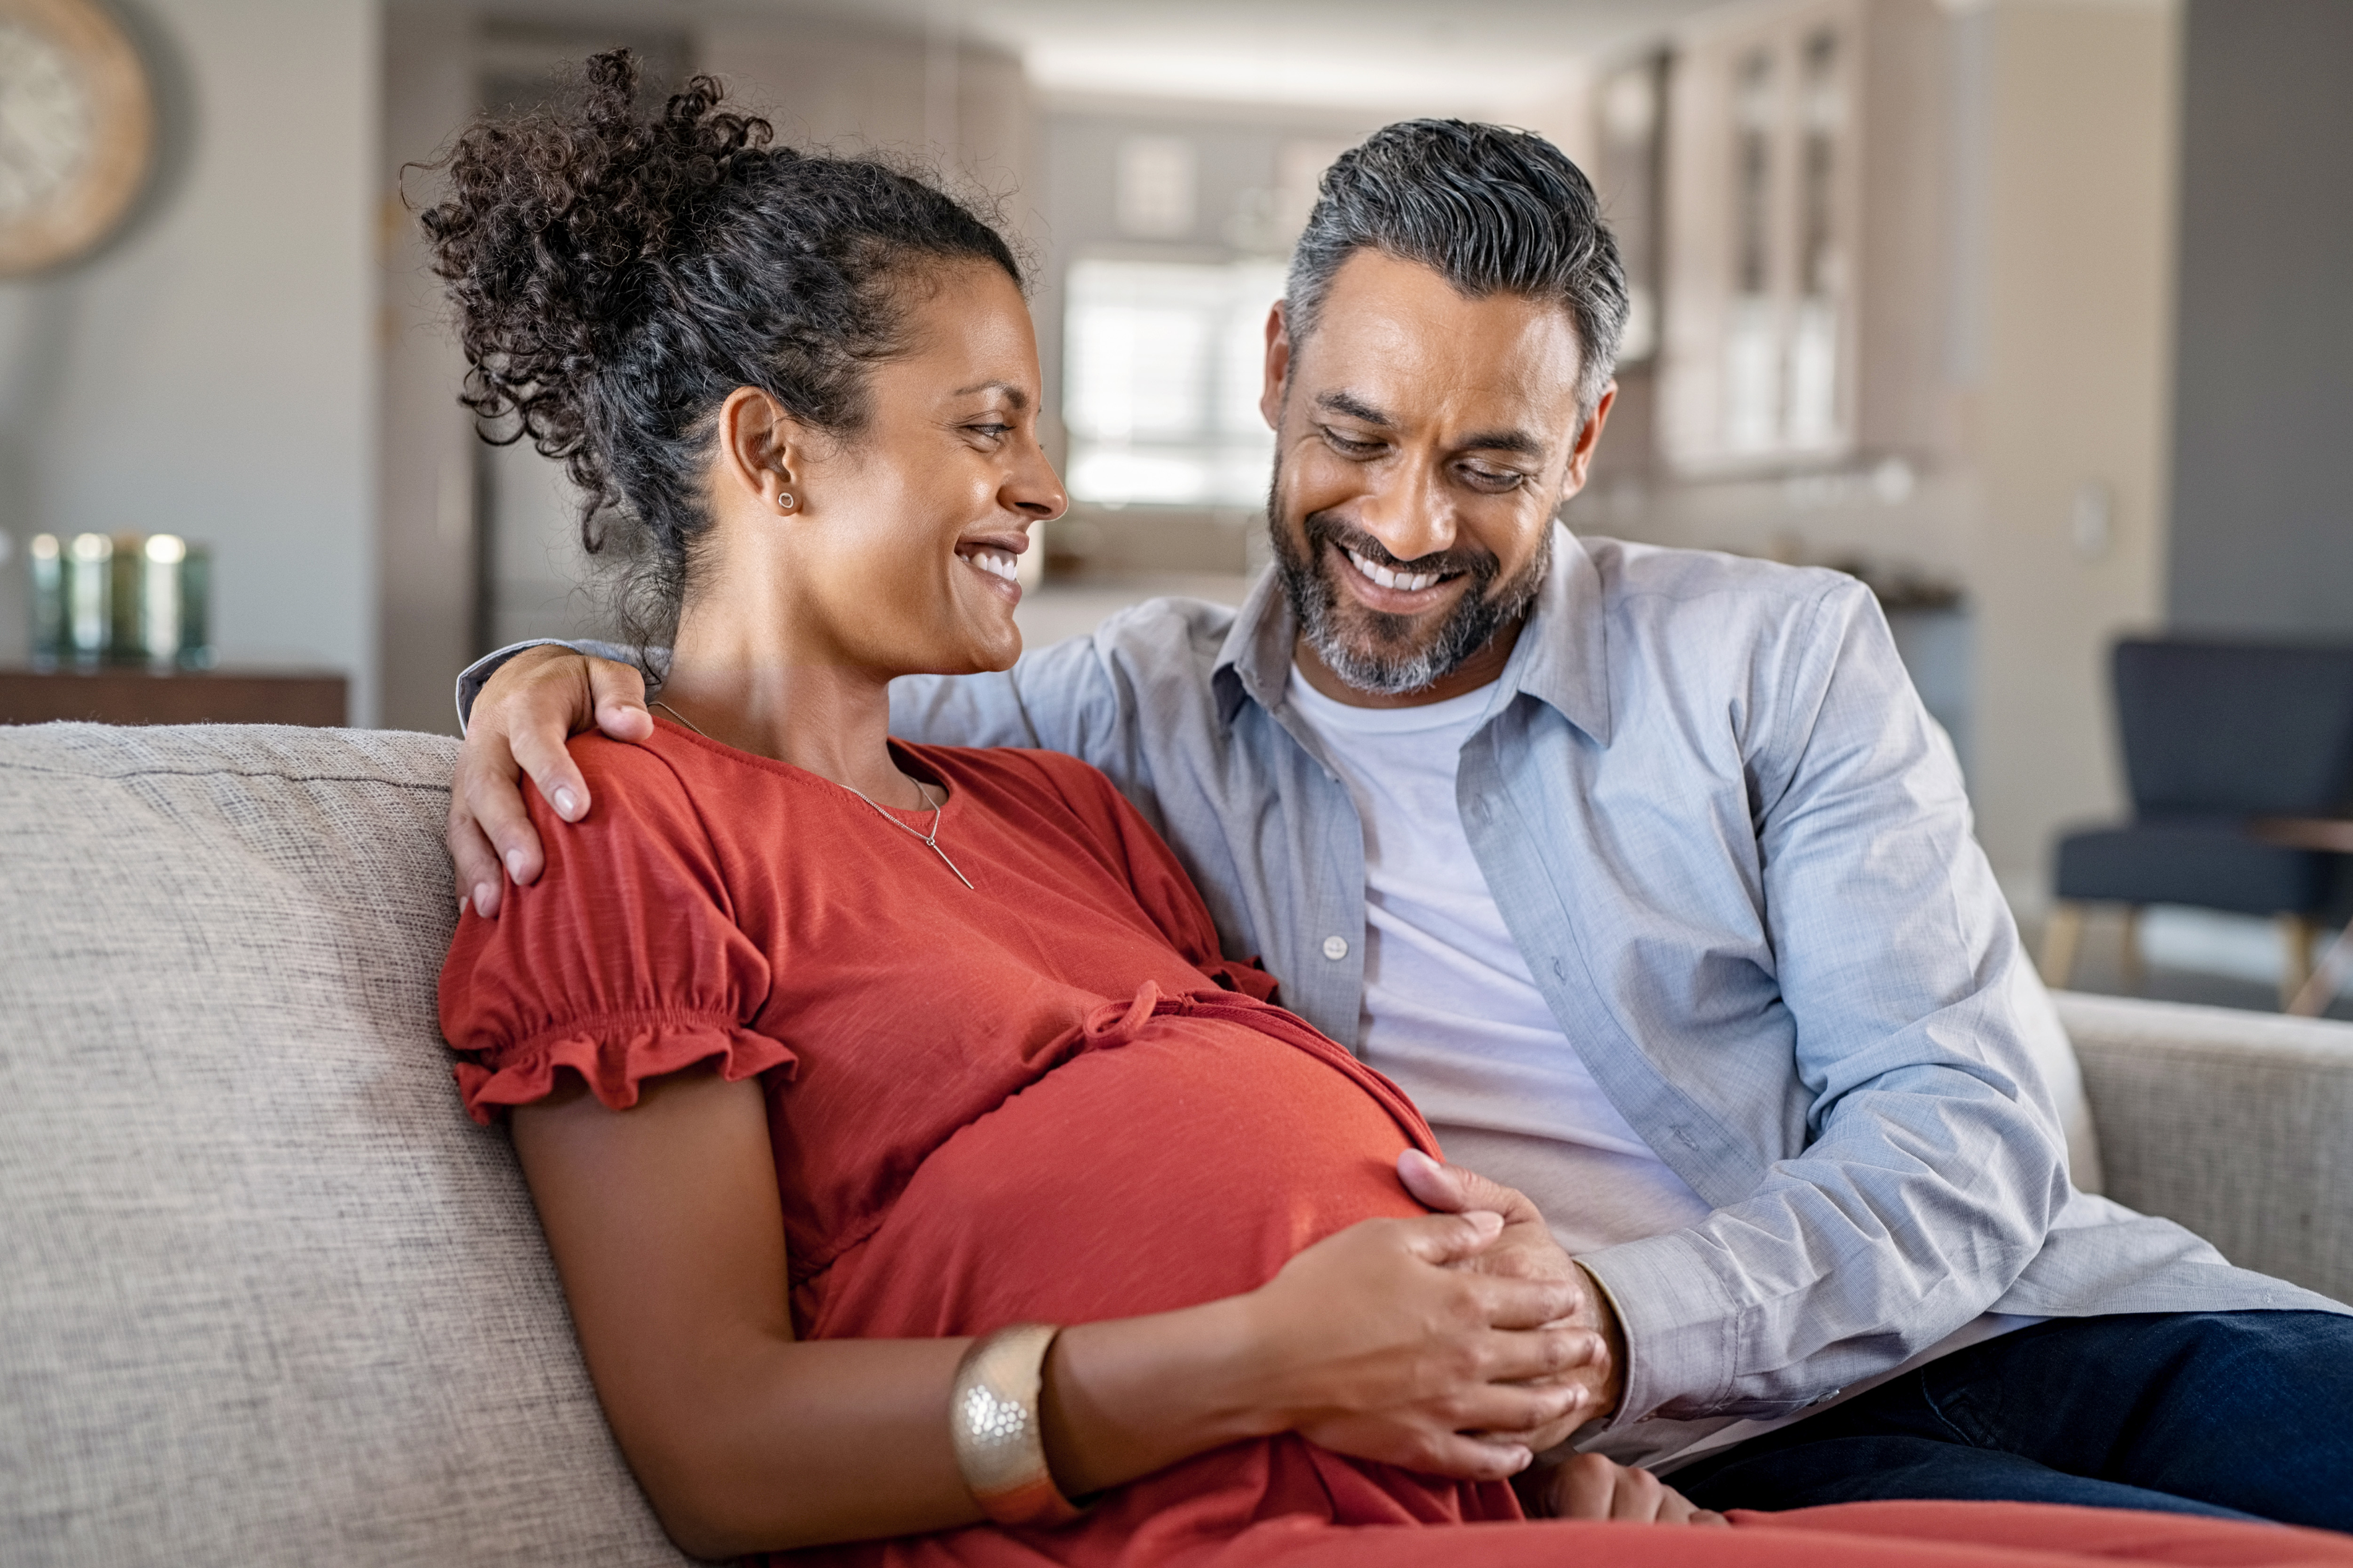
[(1803, 279), (115, 694)]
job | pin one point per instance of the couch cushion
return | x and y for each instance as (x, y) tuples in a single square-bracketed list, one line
[(2238, 1125), (267, 1296)]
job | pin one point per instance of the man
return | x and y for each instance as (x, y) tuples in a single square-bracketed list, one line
[(1645, 874)]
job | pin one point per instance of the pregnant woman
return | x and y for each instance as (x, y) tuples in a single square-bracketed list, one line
[(913, 1161)]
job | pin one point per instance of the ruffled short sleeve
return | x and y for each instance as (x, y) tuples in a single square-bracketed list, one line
[(623, 961)]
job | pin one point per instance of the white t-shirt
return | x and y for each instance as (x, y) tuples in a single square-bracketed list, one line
[(1451, 1011), (1453, 1016)]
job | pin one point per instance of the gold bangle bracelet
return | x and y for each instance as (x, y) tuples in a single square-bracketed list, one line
[(1000, 1446)]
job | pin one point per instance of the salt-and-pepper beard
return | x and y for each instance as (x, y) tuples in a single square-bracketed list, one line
[(1388, 663)]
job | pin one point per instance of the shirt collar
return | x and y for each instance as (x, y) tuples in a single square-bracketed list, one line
[(1562, 658), (1254, 662)]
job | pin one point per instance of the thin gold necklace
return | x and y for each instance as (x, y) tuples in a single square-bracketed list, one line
[(930, 841)]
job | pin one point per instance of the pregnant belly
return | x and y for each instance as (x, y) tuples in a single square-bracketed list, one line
[(1185, 1162)]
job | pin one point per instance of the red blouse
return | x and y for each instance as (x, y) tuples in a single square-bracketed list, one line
[(1045, 1097)]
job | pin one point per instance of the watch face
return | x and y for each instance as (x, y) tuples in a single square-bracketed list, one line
[(46, 122)]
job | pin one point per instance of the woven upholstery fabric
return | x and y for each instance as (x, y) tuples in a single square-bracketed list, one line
[(2238, 1125), (266, 1295)]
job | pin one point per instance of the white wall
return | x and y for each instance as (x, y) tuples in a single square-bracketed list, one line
[(426, 542), (959, 109), (213, 375), (2074, 250)]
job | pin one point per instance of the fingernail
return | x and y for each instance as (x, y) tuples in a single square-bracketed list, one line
[(483, 901), (514, 864), (1487, 1222), (461, 906), (566, 805)]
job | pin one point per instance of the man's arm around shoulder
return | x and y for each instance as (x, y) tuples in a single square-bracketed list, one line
[(518, 705)]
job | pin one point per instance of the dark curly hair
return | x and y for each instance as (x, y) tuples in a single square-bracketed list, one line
[(617, 276)]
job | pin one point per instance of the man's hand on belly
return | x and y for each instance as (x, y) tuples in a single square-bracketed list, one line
[(1526, 1250), (1375, 1344)]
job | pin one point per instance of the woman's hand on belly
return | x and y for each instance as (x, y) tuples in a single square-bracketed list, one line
[(1526, 1250), (1378, 1342)]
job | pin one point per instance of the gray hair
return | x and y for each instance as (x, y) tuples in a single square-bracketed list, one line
[(1493, 211)]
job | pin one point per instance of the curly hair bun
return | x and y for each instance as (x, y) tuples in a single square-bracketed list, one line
[(617, 276), (557, 231)]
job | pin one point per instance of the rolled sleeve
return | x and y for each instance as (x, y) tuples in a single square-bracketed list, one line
[(1083, 697), (476, 675), (1059, 697), (1678, 1321)]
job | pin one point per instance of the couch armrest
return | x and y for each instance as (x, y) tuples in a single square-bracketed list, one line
[(2237, 1125)]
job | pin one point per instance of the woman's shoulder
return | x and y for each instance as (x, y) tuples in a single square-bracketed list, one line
[(623, 958), (639, 865), (665, 780), (661, 762), (654, 805)]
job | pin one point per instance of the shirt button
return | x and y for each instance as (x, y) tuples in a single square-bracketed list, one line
[(1336, 948)]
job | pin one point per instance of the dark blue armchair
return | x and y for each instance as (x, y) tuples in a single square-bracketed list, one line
[(2214, 735)]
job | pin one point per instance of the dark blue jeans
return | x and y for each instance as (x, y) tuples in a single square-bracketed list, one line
[(2228, 1414)]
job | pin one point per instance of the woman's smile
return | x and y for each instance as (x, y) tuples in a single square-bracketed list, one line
[(997, 559)]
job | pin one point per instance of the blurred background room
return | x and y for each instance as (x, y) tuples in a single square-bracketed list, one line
[(2037, 315)]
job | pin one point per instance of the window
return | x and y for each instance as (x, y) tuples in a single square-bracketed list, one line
[(1163, 365), (1154, 195)]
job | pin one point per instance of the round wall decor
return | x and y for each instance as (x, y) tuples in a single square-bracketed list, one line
[(77, 131)]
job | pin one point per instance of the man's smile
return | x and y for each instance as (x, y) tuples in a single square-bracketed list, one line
[(1392, 590), (1389, 626)]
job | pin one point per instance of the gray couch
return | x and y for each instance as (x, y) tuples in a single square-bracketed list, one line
[(267, 1296)]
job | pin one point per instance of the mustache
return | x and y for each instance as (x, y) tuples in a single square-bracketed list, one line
[(1323, 528)]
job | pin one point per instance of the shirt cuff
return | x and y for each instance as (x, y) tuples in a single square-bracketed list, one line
[(1681, 1327), (475, 676)]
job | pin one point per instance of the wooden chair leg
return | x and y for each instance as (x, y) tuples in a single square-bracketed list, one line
[(2135, 973), (2062, 936), (2296, 934), (2313, 997)]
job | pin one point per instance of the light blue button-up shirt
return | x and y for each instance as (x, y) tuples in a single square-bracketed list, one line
[(1739, 862)]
